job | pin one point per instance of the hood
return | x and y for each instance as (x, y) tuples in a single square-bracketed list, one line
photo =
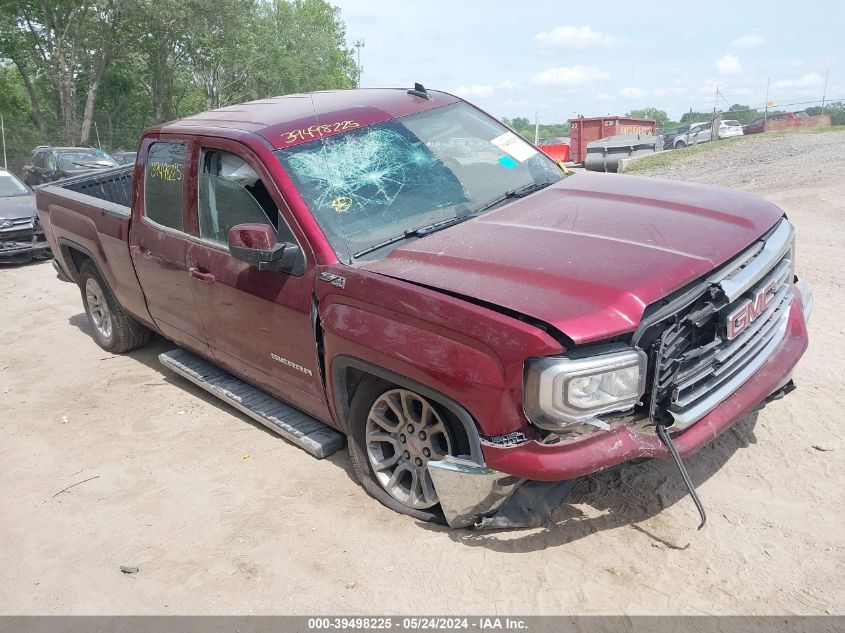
[(14, 207), (590, 253)]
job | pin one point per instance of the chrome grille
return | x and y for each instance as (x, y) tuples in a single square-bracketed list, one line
[(16, 228), (697, 366), (731, 363)]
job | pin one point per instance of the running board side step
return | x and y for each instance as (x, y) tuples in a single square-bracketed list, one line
[(292, 424)]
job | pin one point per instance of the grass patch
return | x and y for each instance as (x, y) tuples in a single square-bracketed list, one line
[(667, 158)]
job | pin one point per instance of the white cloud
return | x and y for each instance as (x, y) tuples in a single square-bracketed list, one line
[(748, 40), (575, 37), (632, 92), (665, 91), (729, 65), (577, 75), (475, 91), (810, 80), (484, 90)]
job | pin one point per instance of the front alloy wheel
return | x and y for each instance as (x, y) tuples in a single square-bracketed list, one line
[(403, 433)]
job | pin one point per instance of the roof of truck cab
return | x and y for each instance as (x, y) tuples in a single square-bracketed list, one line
[(297, 118)]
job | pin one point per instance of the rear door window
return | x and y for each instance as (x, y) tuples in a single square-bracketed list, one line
[(164, 174)]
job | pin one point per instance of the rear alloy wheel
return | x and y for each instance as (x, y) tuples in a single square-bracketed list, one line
[(98, 308), (114, 330), (680, 145), (393, 435)]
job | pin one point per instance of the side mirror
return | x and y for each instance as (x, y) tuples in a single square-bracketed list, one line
[(256, 245)]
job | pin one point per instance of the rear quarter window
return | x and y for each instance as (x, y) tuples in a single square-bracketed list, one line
[(164, 175)]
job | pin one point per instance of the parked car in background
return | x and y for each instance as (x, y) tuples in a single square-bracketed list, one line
[(47, 163), (757, 126), (125, 158), (670, 135), (697, 133), (729, 128), (21, 237)]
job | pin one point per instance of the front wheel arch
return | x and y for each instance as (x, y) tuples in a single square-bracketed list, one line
[(347, 373)]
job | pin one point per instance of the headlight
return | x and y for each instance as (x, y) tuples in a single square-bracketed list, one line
[(562, 392)]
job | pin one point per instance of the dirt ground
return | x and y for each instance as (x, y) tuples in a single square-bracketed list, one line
[(112, 460)]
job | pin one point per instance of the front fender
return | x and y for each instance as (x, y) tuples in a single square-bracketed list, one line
[(470, 354)]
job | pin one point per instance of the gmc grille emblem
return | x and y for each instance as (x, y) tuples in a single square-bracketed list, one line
[(750, 309)]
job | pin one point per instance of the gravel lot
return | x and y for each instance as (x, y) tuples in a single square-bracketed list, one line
[(111, 460)]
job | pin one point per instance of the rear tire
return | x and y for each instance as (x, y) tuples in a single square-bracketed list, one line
[(114, 330), (680, 145), (392, 433)]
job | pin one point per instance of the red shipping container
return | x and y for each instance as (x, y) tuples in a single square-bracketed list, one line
[(586, 130)]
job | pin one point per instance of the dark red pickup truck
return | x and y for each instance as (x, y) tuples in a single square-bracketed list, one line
[(399, 268)]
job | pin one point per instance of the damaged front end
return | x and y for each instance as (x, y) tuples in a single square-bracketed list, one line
[(21, 239), (698, 362), (474, 496)]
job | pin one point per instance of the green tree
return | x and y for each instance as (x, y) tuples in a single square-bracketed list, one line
[(64, 41), (660, 118), (73, 69)]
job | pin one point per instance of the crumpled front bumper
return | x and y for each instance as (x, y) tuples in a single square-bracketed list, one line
[(35, 242), (469, 492)]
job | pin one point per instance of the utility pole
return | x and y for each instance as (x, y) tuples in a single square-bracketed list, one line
[(359, 44), (824, 94), (766, 110), (536, 128), (3, 134)]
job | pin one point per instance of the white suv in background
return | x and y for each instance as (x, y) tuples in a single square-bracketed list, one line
[(730, 128)]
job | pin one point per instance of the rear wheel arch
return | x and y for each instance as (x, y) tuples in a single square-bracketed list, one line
[(348, 373), (73, 256)]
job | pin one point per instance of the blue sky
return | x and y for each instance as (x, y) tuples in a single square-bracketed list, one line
[(561, 59)]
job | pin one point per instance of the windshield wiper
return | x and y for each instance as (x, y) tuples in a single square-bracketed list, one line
[(519, 192), (420, 231)]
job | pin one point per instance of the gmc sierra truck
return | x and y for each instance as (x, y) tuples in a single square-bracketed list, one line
[(398, 270)]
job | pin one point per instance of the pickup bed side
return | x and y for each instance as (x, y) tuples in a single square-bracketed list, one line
[(88, 217)]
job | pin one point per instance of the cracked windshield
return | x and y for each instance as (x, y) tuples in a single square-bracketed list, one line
[(372, 187)]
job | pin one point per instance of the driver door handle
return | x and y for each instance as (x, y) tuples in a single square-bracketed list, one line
[(196, 273)]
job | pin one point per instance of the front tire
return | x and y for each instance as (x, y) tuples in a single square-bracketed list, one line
[(680, 145), (393, 433), (114, 330)]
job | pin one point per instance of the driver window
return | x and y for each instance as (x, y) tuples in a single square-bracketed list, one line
[(230, 193), (50, 162)]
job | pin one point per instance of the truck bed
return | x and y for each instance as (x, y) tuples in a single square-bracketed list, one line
[(88, 217), (114, 185)]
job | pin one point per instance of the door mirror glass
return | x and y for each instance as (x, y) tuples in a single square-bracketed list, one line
[(256, 245)]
